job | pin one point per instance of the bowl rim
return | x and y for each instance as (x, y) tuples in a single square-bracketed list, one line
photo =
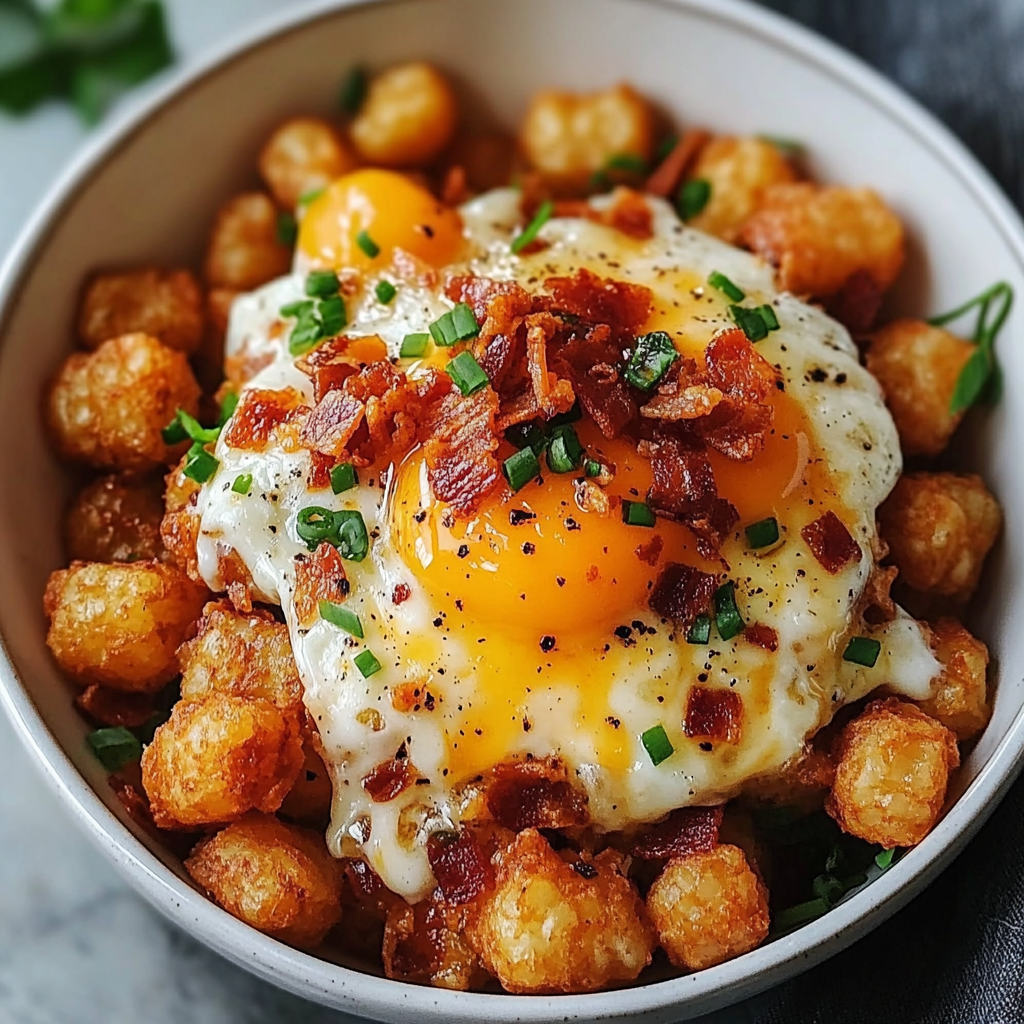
[(352, 990)]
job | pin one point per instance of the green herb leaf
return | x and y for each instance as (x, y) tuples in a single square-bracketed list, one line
[(115, 747), (468, 375), (385, 292), (338, 615), (287, 229), (521, 468), (414, 346), (650, 360), (242, 484), (565, 452), (726, 286), (657, 744), (727, 615), (762, 534), (692, 197), (367, 244), (343, 478), (200, 465), (529, 233), (367, 663), (353, 91), (636, 513), (700, 631), (862, 650)]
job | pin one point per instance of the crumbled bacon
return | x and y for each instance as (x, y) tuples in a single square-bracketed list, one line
[(762, 636), (589, 363), (535, 794), (386, 780), (553, 394), (830, 542), (682, 593), (682, 396), (260, 412), (460, 866), (685, 831), (329, 365), (237, 580), (401, 593), (623, 307), (714, 714), (332, 425), (368, 888), (876, 605), (318, 577), (857, 303), (115, 707), (628, 213), (669, 173), (650, 552)]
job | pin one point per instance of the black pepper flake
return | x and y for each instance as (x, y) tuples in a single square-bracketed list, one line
[(706, 747), (438, 621), (571, 524), (560, 580), (584, 870), (518, 516), (529, 548), (613, 721), (547, 643), (818, 375), (623, 632), (463, 550), (458, 603), (527, 724), (421, 515), (840, 378)]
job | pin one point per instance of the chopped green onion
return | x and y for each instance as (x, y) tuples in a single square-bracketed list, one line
[(344, 477), (763, 533), (862, 650), (750, 322), (634, 163), (727, 615), (666, 146), (297, 308), (724, 285), (311, 196), (692, 197), (114, 747), (700, 631), (649, 362), (457, 324), (572, 415), (353, 542), (185, 426), (385, 292), (333, 316), (306, 334), (885, 858), (414, 345), (529, 233), (636, 513), (657, 744), (521, 468), (367, 663), (200, 465), (468, 374), (800, 914), (227, 408), (322, 284), (315, 524), (353, 91), (787, 147), (338, 615), (174, 432), (527, 435), (287, 229), (592, 467), (767, 314), (564, 450), (367, 244), (242, 484)]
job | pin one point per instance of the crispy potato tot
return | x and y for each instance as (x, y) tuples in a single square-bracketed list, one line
[(708, 908), (960, 701), (120, 625), (568, 137), (802, 782), (278, 878), (738, 170), (819, 236), (309, 800), (244, 655), (892, 767), (216, 759), (939, 528), (107, 408), (303, 154), (917, 366), (179, 529), (115, 519), (547, 927), (244, 250), (407, 118), (165, 304)]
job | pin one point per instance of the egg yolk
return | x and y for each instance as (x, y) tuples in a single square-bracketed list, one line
[(372, 210)]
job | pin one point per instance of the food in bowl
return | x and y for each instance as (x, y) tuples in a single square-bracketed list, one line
[(522, 617)]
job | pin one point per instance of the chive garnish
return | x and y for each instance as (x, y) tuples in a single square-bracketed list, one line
[(344, 477), (353, 91), (763, 533), (521, 468), (333, 316), (527, 435), (862, 650), (700, 631), (338, 615), (287, 229), (242, 484), (727, 614), (457, 324), (564, 450), (306, 334), (750, 322), (529, 233), (367, 244), (724, 285), (186, 426), (315, 524), (385, 291), (297, 308), (692, 197), (636, 513), (227, 408), (315, 321), (592, 467), (885, 858), (414, 345), (346, 530), (322, 284), (311, 196), (367, 663), (114, 747), (767, 314), (200, 465), (650, 360), (657, 744), (467, 373)]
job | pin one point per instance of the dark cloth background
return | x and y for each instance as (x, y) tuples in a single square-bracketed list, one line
[(956, 954)]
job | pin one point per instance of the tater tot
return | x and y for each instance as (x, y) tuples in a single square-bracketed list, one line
[(408, 117), (303, 154), (115, 519), (960, 701), (278, 878), (244, 250), (244, 655), (550, 927), (819, 236), (917, 366), (309, 800), (107, 408), (738, 171), (939, 528), (165, 304), (892, 767), (179, 529), (120, 625), (216, 759), (568, 137), (422, 946), (708, 908)]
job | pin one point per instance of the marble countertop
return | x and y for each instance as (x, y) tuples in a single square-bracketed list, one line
[(76, 945)]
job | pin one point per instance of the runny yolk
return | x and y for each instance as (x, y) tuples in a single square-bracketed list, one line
[(394, 212)]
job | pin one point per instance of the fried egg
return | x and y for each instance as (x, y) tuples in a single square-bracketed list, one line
[(526, 629)]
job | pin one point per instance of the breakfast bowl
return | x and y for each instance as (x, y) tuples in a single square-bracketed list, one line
[(144, 192)]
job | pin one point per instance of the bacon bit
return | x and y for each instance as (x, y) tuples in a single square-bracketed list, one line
[(115, 707), (676, 400), (459, 450), (857, 303), (762, 636), (624, 307), (742, 434), (480, 292), (535, 794), (682, 593), (368, 888), (401, 593), (455, 189), (332, 425), (630, 214), (735, 366), (235, 576), (602, 393), (260, 412), (318, 577), (876, 605), (460, 866), (669, 173), (685, 831), (319, 476), (714, 715), (590, 497), (411, 696), (389, 778), (830, 542), (553, 394), (593, 574), (329, 365), (651, 551), (242, 366)]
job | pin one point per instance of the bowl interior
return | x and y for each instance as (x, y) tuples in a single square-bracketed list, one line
[(149, 197)]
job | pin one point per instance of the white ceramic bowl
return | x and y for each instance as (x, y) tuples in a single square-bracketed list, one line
[(145, 191)]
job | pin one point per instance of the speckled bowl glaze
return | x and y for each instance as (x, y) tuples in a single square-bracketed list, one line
[(145, 191)]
